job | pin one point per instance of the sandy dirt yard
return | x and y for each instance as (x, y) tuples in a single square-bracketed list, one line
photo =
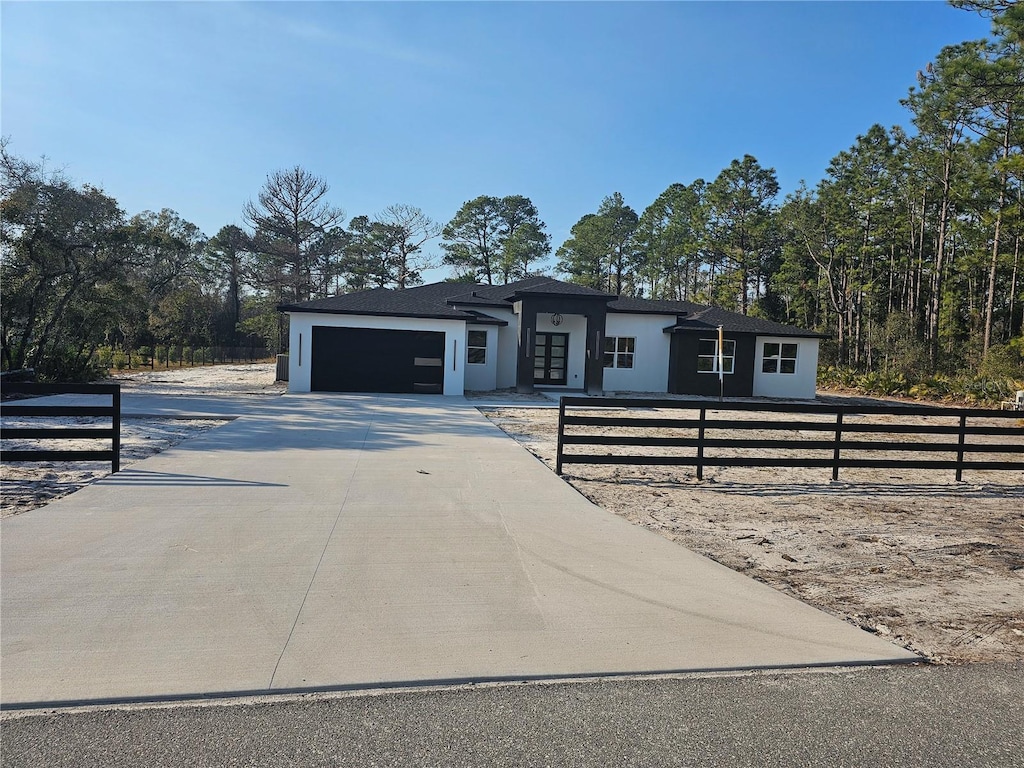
[(27, 486), (934, 565), (931, 564)]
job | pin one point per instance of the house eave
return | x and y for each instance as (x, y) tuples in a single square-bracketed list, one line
[(603, 297), (706, 328), (463, 306), (662, 312), (479, 318), (292, 309)]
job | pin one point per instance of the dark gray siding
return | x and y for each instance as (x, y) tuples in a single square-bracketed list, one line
[(683, 378)]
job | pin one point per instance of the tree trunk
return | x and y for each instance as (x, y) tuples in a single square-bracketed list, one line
[(919, 276), (1012, 327), (993, 266)]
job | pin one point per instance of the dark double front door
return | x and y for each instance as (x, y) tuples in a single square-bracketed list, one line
[(551, 358)]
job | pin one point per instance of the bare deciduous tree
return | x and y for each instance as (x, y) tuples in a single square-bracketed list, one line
[(411, 229)]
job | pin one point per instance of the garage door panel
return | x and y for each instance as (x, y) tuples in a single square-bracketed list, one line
[(377, 360)]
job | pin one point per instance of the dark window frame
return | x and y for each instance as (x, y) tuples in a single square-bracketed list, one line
[(476, 350), (551, 359)]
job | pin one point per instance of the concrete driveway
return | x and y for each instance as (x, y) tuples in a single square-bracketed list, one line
[(331, 541)]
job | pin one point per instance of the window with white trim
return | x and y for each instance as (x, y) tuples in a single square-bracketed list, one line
[(619, 351), (707, 356), (778, 357), (476, 347)]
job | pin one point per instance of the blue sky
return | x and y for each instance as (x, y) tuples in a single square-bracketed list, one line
[(189, 105)]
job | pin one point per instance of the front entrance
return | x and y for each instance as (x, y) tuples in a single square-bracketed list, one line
[(544, 355), (550, 358)]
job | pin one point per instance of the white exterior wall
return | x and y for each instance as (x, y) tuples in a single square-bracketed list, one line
[(482, 377), (301, 341), (507, 346), (802, 384), (650, 360), (576, 327)]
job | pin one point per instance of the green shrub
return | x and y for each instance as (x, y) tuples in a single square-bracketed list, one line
[(1005, 361), (883, 383), (832, 376), (65, 364), (969, 390)]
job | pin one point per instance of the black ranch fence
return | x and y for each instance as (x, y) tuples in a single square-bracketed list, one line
[(27, 408), (181, 355), (705, 426)]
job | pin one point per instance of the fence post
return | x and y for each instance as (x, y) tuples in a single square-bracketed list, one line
[(561, 433), (700, 445), (961, 439), (115, 462), (838, 442)]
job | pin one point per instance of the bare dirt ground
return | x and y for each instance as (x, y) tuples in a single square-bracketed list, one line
[(931, 564), (28, 486), (256, 379)]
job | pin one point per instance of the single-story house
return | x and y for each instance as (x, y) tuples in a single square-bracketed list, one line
[(539, 333)]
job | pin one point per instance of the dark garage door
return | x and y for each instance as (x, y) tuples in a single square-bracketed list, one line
[(377, 360)]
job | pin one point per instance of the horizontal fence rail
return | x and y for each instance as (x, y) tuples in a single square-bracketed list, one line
[(830, 449), (181, 355), (30, 409)]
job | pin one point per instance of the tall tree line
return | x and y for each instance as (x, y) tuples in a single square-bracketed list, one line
[(907, 253), (79, 275), (909, 250), (717, 242)]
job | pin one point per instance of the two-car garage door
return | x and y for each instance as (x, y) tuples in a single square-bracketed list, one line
[(376, 360)]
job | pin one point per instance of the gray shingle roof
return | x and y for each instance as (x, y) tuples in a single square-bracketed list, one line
[(653, 307), (502, 295), (460, 301), (411, 302), (551, 287), (492, 295), (712, 317)]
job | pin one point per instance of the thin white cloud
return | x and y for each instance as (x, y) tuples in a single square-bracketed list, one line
[(305, 30), (353, 27)]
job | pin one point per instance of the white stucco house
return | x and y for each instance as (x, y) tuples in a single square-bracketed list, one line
[(539, 333)]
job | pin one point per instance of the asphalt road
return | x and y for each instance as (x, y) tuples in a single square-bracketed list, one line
[(900, 716)]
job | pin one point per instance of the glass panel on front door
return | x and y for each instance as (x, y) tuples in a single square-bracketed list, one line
[(551, 355)]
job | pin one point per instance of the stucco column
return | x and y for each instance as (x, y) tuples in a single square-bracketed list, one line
[(527, 340)]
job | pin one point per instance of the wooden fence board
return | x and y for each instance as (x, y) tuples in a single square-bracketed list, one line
[(838, 424), (26, 408)]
